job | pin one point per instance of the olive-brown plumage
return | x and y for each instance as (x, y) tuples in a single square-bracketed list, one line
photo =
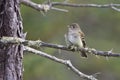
[(75, 37)]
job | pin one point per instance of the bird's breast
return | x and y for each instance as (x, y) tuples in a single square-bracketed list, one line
[(75, 39)]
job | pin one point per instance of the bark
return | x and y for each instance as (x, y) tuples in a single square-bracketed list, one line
[(10, 55)]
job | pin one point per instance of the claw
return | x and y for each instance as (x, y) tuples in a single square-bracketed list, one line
[(73, 48)]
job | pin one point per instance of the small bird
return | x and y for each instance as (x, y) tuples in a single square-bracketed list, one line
[(75, 38)]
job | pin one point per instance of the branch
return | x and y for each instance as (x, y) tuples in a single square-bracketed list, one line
[(85, 5), (38, 43), (39, 7), (50, 5), (65, 62)]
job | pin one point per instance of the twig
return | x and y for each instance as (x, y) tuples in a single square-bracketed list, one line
[(39, 7), (58, 9), (38, 43), (51, 5), (85, 5), (65, 62), (114, 8)]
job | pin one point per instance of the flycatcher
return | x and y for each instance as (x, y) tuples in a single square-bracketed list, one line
[(75, 38)]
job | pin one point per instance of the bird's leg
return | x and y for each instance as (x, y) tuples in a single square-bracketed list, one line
[(72, 47)]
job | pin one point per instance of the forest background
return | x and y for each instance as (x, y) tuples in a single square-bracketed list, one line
[(101, 27)]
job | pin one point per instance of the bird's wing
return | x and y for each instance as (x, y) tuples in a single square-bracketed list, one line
[(83, 39), (66, 39)]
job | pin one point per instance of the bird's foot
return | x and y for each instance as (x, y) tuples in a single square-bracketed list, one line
[(72, 48)]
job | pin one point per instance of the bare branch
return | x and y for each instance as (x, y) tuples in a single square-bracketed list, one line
[(51, 5), (39, 7), (58, 9), (88, 50), (85, 5), (65, 62), (114, 8), (38, 43)]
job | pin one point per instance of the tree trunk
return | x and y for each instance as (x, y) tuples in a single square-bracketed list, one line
[(10, 55)]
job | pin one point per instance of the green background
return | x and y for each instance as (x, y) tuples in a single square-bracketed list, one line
[(101, 27)]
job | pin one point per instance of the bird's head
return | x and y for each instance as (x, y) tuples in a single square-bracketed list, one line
[(73, 26)]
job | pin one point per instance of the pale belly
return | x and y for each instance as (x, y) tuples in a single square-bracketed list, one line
[(76, 41)]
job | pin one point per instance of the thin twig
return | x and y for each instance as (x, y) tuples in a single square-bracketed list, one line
[(65, 62), (58, 9), (114, 8), (84, 5), (39, 7), (51, 5)]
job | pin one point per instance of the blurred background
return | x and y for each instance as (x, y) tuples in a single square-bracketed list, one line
[(101, 27)]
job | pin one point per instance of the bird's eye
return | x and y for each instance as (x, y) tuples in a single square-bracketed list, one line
[(73, 27)]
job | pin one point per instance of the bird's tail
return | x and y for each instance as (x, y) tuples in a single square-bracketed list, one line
[(83, 54)]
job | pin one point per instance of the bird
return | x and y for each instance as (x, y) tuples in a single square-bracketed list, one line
[(75, 38)]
